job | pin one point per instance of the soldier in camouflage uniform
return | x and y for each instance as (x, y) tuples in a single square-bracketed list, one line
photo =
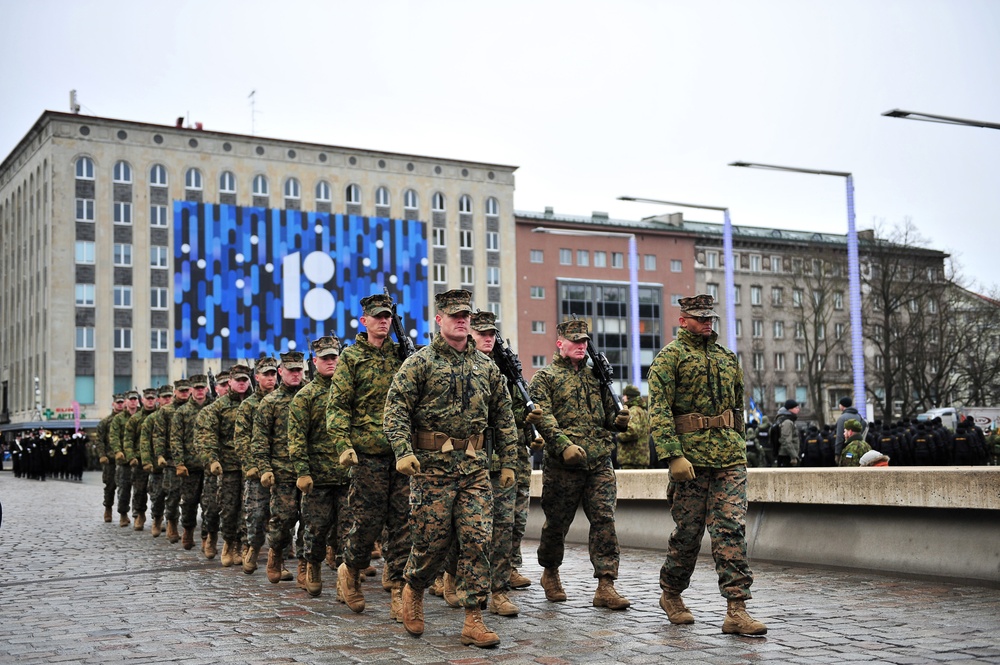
[(130, 443), (633, 443), (160, 433), (379, 496), (324, 483), (696, 417), (269, 447), (186, 457), (578, 417), (123, 471), (440, 402), (215, 437), (106, 456), (221, 384), (148, 459), (256, 498)]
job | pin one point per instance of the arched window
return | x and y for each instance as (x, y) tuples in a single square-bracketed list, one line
[(260, 185), (158, 175), (323, 191), (122, 173), (437, 202), (293, 190), (382, 196), (492, 206), (85, 168), (353, 194), (465, 203), (410, 199), (227, 182), (192, 179)]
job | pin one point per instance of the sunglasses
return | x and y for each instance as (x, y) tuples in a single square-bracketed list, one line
[(701, 319)]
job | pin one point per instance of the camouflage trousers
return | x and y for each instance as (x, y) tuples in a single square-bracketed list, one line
[(504, 501), (191, 485), (563, 490), (716, 498), (379, 499), (171, 493), (285, 500), (140, 491), (157, 497), (256, 512), (325, 517), (209, 506), (230, 505), (521, 502), (123, 479), (444, 508), (108, 476)]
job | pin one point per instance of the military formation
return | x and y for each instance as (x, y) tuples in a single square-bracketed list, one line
[(41, 454)]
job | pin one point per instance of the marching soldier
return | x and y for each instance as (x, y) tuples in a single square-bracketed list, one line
[(123, 471), (160, 432), (165, 395), (106, 456), (186, 458), (140, 477)]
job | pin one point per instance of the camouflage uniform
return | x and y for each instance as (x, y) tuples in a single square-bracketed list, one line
[(256, 498), (123, 472), (633, 443), (161, 426), (576, 410), (313, 452), (694, 374), (379, 495), (184, 453), (522, 471), (104, 450), (147, 458), (130, 442), (458, 394)]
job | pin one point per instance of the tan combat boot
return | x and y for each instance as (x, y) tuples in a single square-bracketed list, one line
[(331, 557), (517, 580), (676, 611), (286, 575), (274, 566), (300, 574), (157, 527), (396, 604), (107, 514), (370, 571), (187, 540), (437, 589), (314, 578), (475, 632), (349, 586), (250, 560), (140, 521), (387, 584), (607, 596), (227, 553), (450, 592), (238, 552), (172, 535), (502, 605), (123, 520), (413, 610), (554, 591), (210, 545), (739, 622)]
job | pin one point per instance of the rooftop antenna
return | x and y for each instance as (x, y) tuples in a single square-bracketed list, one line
[(74, 107), (253, 112)]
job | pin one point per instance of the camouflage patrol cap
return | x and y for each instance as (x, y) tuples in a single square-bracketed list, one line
[(484, 321), (165, 390), (575, 330), (376, 304), (150, 393), (198, 381), (239, 371), (327, 345), (182, 384), (631, 391), (267, 364), (854, 425), (700, 305), (222, 377), (455, 301), (293, 360), (119, 397), (132, 394)]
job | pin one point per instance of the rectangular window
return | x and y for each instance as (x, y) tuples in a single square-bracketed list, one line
[(676, 265), (84, 390), (157, 256), (737, 294), (779, 330), (157, 215), (493, 276), (802, 395), (820, 330), (538, 361), (675, 299), (123, 296), (465, 239), (617, 260), (85, 210), (649, 263), (158, 297), (780, 394), (757, 328), (711, 260), (756, 295), (796, 297), (838, 330), (537, 256), (538, 327), (755, 263), (84, 339), (123, 254), (492, 241), (565, 257), (777, 295), (158, 339), (123, 339), (84, 295), (493, 306), (468, 275), (800, 362), (739, 328), (438, 236), (841, 362), (879, 363), (712, 290), (538, 292), (820, 362), (122, 212), (779, 362), (758, 361), (800, 330), (838, 300), (600, 259), (776, 263), (84, 251), (583, 257), (440, 273)]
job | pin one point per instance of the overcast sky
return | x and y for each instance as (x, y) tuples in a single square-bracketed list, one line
[(592, 100)]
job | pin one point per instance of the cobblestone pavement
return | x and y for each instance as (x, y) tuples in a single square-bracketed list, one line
[(74, 589)]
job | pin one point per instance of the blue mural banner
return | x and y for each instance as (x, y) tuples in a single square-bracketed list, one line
[(251, 280)]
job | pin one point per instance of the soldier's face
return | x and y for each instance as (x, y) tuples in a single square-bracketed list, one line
[(326, 365), (485, 340), (200, 393), (378, 325), (148, 402), (132, 404), (697, 325), (240, 385), (119, 405), (267, 380), (575, 351), (291, 377), (166, 399), (182, 393), (222, 388), (454, 327)]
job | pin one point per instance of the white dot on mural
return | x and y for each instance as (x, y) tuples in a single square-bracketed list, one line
[(239, 258), (318, 267), (268, 267), (202, 320), (366, 262), (423, 261), (224, 332), (353, 323), (318, 304), (254, 240), (201, 263), (291, 345), (319, 228), (185, 248), (240, 283), (379, 244), (393, 279)]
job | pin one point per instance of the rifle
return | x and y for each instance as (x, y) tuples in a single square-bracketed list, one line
[(253, 376), (604, 372), (510, 367), (406, 347), (211, 383)]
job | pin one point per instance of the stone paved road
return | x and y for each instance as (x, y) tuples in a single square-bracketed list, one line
[(76, 590)]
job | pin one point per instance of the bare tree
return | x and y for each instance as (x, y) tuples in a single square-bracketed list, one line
[(978, 367)]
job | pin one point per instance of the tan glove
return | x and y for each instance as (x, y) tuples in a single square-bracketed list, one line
[(681, 469), (348, 457), (506, 478), (621, 420), (119, 456), (305, 484), (133, 462), (148, 468), (537, 444), (253, 473), (103, 459), (267, 479), (408, 465), (534, 417), (161, 461), (215, 468), (574, 454), (182, 470)]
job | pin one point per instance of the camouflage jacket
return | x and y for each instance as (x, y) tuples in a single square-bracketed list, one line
[(575, 410), (103, 436), (116, 433), (243, 429), (356, 403), (161, 430), (146, 455), (130, 440), (312, 449), (213, 433), (633, 443), (458, 393), (520, 411), (693, 374), (269, 441), (182, 448)]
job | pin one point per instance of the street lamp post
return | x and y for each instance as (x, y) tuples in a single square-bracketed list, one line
[(853, 274), (943, 119), (635, 372), (727, 259)]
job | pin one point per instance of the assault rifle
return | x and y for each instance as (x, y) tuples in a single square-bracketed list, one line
[(510, 367), (604, 372), (406, 347), (211, 384)]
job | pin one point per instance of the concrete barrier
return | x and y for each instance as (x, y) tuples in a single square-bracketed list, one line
[(923, 521)]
